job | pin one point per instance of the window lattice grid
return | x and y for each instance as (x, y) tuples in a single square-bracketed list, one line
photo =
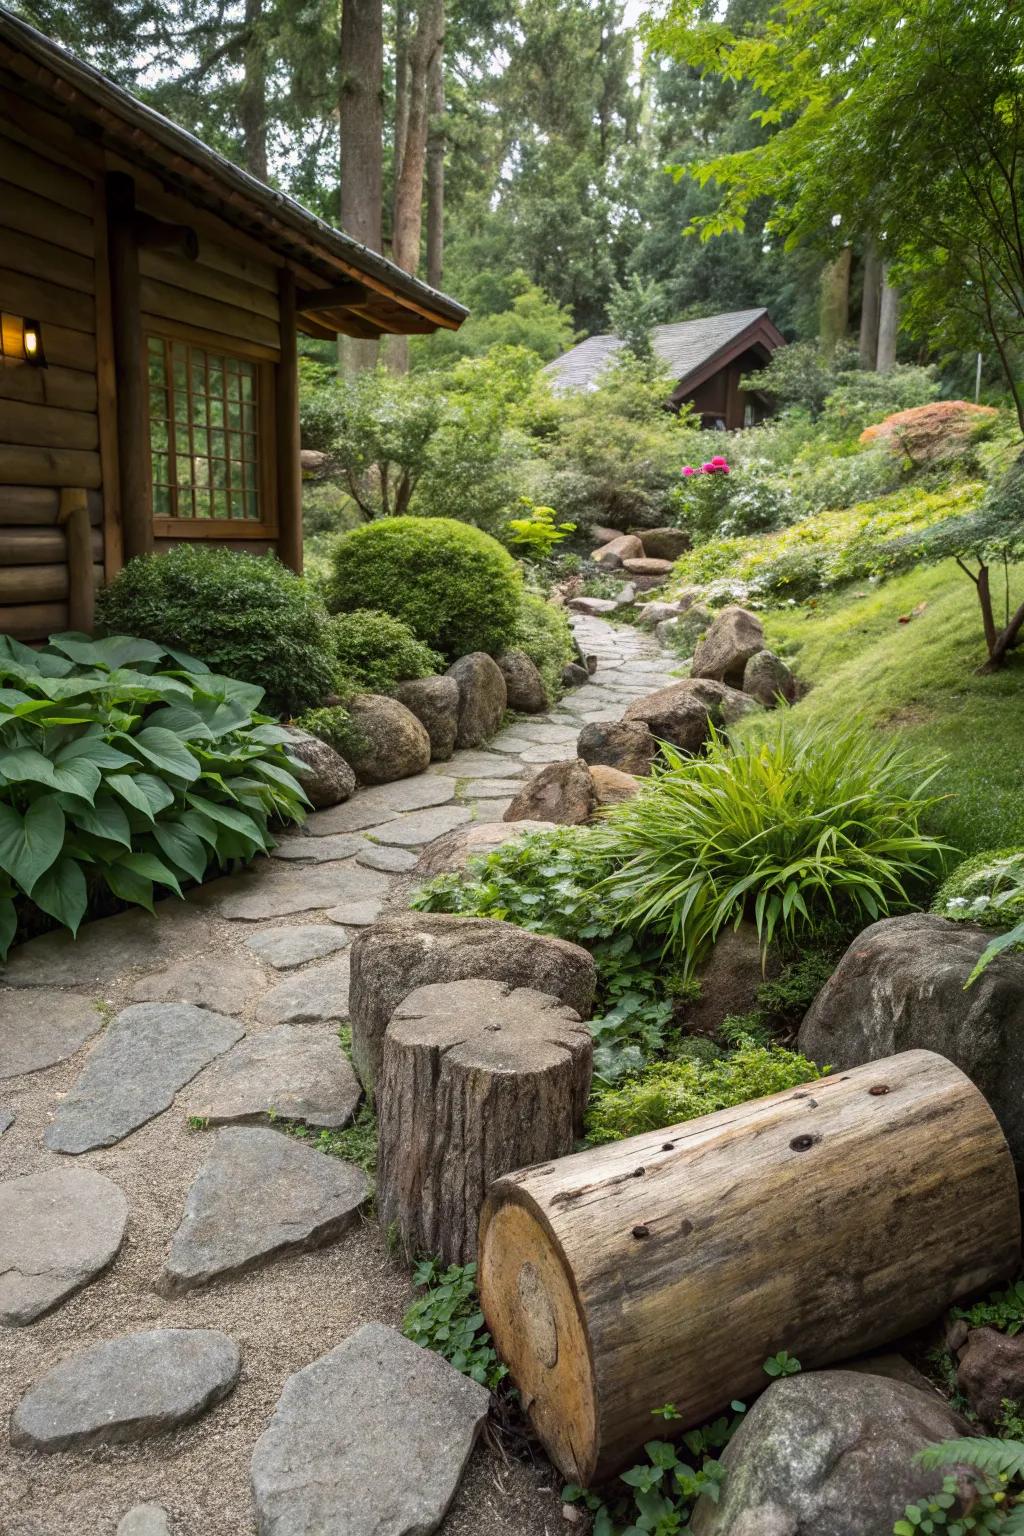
[(203, 430)]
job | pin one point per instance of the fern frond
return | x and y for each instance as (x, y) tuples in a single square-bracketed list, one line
[(997, 1458), (1014, 1523)]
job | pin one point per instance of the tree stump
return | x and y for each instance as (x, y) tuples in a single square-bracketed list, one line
[(824, 1221), (478, 1078)]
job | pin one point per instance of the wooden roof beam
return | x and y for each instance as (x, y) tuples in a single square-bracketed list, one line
[(311, 300)]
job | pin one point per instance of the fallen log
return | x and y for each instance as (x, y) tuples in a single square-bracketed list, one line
[(479, 1078), (823, 1221)]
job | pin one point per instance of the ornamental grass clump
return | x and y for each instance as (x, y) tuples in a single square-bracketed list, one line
[(790, 827)]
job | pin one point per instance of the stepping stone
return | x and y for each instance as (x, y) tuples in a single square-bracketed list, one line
[(369, 1440), (496, 789), (312, 997), (224, 984), (284, 947), (145, 1520), (6, 1119), (423, 826), (543, 731), (271, 890), (127, 1389), (318, 850), (43, 1028), (557, 753), (394, 860), (489, 810), (511, 744), (356, 914), (107, 949), (479, 765), (289, 1073), (602, 716), (148, 1053), (381, 802), (58, 1230), (261, 1193)]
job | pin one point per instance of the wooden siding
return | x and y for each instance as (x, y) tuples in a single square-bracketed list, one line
[(49, 430)]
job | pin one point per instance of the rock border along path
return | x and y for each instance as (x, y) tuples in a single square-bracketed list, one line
[(270, 965)]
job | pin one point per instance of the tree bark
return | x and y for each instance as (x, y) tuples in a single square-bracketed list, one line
[(408, 228), (835, 301), (478, 1079), (888, 323), (824, 1221), (869, 307), (436, 142), (361, 126), (252, 106)]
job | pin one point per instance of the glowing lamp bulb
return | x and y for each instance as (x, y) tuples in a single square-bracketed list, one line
[(31, 343)]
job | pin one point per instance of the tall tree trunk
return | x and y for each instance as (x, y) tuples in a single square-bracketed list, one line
[(405, 244), (869, 306), (835, 301), (361, 124), (435, 171), (401, 93), (888, 323), (252, 104)]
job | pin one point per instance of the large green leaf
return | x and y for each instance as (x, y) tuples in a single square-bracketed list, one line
[(8, 923), (144, 791), (186, 662), (230, 690), (96, 750), (111, 652), (24, 765), (229, 816), (183, 720), (74, 773), (150, 868), (129, 886), (42, 662), (61, 892), (29, 844), (183, 846), (166, 751), (104, 819)]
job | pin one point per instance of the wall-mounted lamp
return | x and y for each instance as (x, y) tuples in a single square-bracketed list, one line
[(21, 340)]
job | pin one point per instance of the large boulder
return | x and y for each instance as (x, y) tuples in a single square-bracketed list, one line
[(665, 543), (900, 987), (483, 698), (650, 615), (991, 1372), (684, 712), (623, 744), (647, 565), (417, 949), (611, 786), (322, 772), (722, 654), (388, 742), (562, 792), (611, 555), (435, 703), (767, 679), (524, 685), (455, 849), (730, 979), (828, 1453)]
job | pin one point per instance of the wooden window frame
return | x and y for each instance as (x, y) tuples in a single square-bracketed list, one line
[(265, 360)]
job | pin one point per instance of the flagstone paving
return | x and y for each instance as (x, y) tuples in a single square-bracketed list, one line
[(120, 1214)]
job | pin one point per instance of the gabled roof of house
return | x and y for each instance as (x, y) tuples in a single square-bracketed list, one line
[(690, 349), (109, 116)]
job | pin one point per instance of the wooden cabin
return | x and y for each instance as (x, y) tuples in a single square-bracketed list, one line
[(151, 293), (707, 358)]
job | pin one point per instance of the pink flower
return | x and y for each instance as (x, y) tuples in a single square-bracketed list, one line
[(708, 469), (688, 469), (719, 462)]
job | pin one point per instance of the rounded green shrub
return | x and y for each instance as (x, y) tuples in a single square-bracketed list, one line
[(246, 616), (455, 587), (333, 725), (376, 651), (543, 632), (987, 889)]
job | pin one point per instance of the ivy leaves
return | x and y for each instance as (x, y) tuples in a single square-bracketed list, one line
[(117, 770)]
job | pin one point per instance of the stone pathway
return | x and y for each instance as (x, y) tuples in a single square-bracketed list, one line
[(149, 1212)]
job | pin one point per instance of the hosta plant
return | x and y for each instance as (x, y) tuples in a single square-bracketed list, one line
[(790, 827), (127, 767)]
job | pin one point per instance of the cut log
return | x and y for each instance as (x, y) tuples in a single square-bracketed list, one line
[(416, 949), (825, 1220), (478, 1078)]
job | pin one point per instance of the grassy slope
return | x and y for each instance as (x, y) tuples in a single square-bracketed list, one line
[(920, 679)]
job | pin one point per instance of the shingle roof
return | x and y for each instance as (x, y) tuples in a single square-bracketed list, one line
[(683, 347), (107, 98)]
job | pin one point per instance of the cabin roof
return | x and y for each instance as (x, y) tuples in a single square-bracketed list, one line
[(109, 116), (690, 349)]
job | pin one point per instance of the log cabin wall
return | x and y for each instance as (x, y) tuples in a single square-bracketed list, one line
[(49, 426)]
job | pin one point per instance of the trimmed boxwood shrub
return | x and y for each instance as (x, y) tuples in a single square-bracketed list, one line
[(543, 632), (456, 588), (375, 651), (246, 616)]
